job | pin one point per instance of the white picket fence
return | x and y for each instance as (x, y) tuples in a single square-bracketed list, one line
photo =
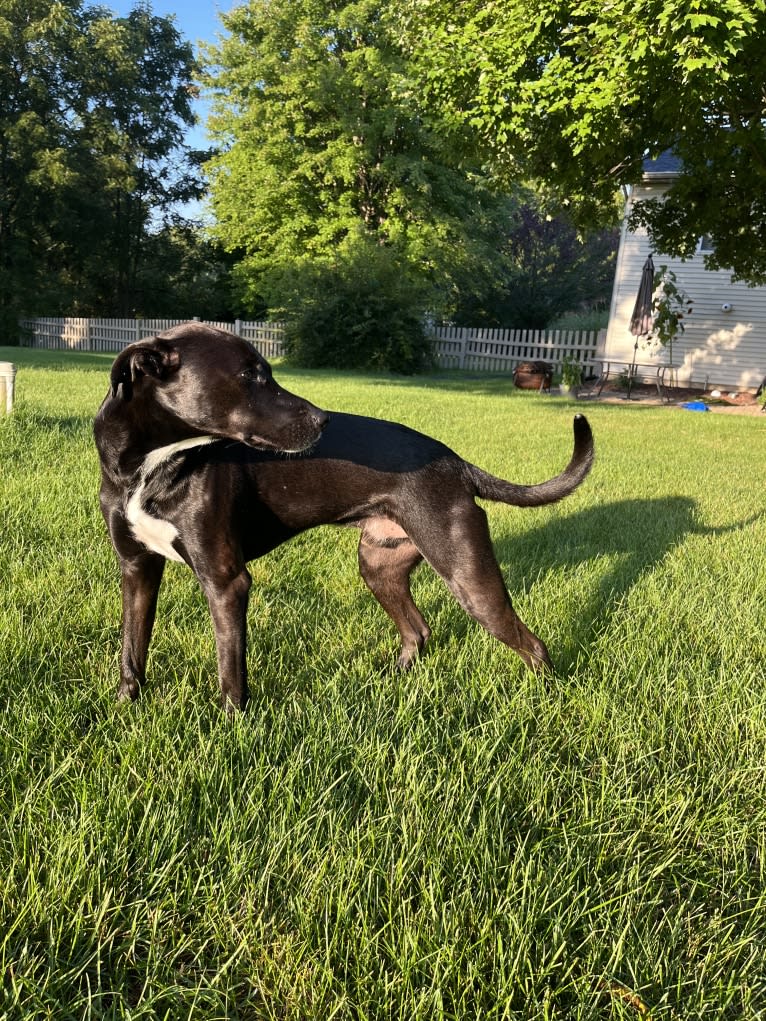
[(502, 350), (73, 334), (455, 347)]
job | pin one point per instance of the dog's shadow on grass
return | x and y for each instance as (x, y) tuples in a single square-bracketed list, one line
[(632, 535), (627, 537)]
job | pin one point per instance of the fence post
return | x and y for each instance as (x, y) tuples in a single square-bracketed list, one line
[(238, 327), (461, 355)]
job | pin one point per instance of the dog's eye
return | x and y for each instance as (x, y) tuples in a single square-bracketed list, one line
[(252, 375)]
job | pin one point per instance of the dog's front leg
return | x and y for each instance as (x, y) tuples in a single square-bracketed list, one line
[(141, 577), (227, 596)]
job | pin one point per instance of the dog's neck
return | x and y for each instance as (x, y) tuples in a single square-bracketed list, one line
[(130, 436), (157, 457)]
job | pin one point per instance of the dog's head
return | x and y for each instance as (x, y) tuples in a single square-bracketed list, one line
[(213, 383)]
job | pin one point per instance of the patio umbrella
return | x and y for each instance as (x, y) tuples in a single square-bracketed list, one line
[(641, 320)]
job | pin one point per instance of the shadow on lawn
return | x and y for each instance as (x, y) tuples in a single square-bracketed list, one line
[(640, 533), (637, 534), (634, 534), (25, 358), (65, 425)]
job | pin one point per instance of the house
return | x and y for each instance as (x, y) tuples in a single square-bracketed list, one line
[(724, 341)]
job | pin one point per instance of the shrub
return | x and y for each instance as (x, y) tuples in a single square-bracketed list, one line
[(362, 311), (596, 319)]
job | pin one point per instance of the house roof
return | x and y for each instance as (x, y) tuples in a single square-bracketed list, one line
[(666, 165)]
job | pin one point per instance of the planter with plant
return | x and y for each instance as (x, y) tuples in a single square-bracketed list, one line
[(571, 374)]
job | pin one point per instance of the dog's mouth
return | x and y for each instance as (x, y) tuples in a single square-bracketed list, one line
[(293, 449), (297, 440)]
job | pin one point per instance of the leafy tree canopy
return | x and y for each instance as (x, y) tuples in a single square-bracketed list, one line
[(545, 268), (323, 147), (92, 114), (577, 94)]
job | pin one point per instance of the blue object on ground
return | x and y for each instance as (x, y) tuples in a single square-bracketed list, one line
[(695, 406)]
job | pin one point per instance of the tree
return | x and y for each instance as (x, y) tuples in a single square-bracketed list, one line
[(576, 94), (140, 78), (37, 43), (362, 310), (323, 149), (545, 268), (92, 111), (182, 274)]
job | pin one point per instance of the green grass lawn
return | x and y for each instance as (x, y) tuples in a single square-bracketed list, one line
[(463, 842)]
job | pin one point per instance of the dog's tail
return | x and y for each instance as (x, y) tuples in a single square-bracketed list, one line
[(490, 488)]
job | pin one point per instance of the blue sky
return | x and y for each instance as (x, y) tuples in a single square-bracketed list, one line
[(196, 20)]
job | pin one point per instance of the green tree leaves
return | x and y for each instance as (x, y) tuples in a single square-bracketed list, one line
[(324, 142), (576, 94), (92, 115)]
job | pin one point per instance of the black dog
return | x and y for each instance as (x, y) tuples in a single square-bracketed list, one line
[(194, 437)]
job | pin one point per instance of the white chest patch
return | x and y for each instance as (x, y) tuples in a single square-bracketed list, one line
[(154, 533)]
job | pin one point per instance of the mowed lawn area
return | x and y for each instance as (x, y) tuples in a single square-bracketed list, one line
[(466, 841)]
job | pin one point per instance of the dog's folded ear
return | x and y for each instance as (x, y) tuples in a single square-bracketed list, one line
[(155, 358)]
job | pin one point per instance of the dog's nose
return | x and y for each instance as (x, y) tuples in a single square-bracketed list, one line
[(321, 418)]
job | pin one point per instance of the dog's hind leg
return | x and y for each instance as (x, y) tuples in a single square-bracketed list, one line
[(465, 559), (385, 564), (141, 577)]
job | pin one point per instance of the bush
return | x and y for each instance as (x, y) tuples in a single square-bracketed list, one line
[(597, 319), (363, 311)]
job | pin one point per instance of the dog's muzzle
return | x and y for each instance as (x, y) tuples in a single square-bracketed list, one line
[(298, 440)]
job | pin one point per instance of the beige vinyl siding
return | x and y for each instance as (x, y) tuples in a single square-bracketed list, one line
[(717, 348)]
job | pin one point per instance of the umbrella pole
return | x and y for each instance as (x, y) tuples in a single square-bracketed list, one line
[(632, 370)]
